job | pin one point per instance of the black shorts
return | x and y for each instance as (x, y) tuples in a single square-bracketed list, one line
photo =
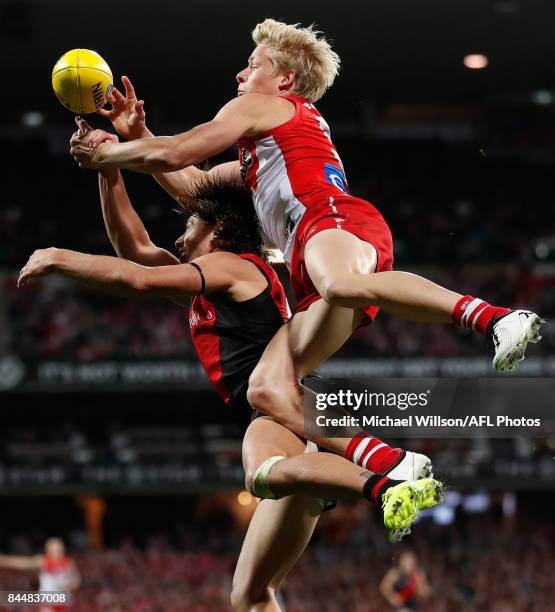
[(243, 414), (410, 604)]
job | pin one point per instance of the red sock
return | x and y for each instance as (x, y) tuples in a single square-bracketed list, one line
[(371, 453), (474, 313)]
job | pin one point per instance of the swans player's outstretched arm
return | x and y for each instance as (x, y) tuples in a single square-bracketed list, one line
[(240, 117)]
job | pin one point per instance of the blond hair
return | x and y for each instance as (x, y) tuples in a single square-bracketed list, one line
[(299, 49)]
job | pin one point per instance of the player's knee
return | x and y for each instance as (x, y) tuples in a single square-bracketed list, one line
[(245, 595), (249, 479), (275, 398), (258, 395), (262, 395), (269, 399), (258, 481)]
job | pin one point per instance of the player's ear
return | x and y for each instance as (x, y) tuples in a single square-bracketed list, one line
[(217, 230), (287, 80)]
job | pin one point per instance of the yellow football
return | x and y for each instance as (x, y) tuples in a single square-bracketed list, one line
[(82, 80)]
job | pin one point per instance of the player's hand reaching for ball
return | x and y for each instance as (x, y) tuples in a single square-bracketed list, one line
[(84, 141), (79, 144), (127, 113), (40, 264), (91, 137)]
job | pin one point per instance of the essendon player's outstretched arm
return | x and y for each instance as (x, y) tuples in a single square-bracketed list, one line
[(125, 229), (128, 279)]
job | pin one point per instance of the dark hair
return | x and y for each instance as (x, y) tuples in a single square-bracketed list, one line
[(230, 210)]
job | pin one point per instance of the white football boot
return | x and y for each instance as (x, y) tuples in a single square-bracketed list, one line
[(511, 335), (411, 466)]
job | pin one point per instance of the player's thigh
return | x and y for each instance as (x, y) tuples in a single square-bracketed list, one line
[(276, 538), (334, 253), (266, 438), (304, 343), (318, 332), (276, 364)]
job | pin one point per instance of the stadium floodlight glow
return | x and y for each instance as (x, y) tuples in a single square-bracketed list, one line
[(453, 498), (544, 97), (476, 502), (32, 119), (475, 61), (444, 514), (542, 250), (244, 498)]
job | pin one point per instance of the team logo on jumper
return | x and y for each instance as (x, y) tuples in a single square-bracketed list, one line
[(195, 318), (335, 177), (246, 162)]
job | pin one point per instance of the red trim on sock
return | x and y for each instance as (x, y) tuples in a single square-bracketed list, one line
[(376, 489), (351, 448), (481, 315), (459, 309), (380, 460)]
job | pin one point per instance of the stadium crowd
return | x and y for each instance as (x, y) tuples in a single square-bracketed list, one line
[(457, 217), (478, 564), (446, 204), (54, 318), (475, 218)]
